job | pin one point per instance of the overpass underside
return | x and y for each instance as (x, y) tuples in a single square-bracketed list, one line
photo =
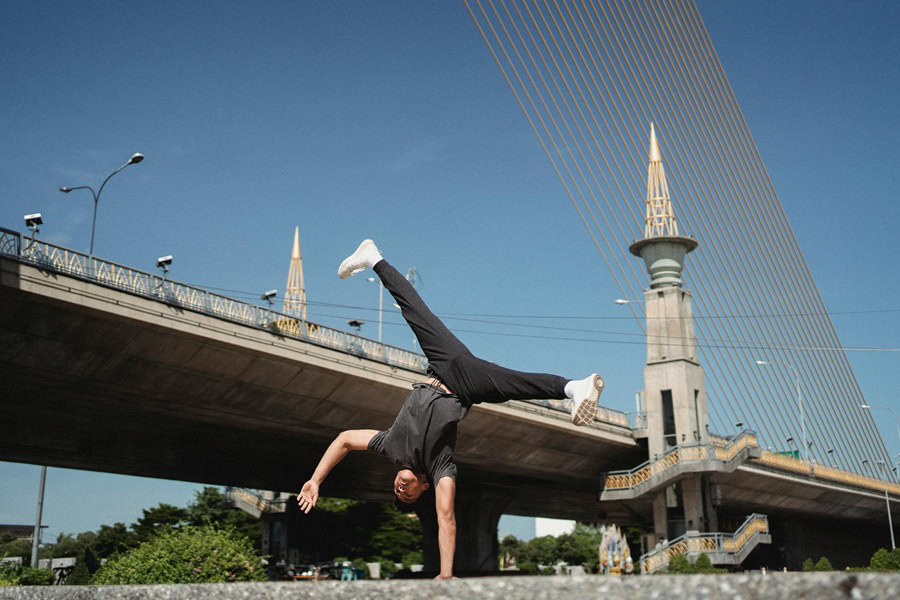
[(100, 379)]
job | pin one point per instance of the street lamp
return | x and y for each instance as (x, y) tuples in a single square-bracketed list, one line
[(380, 304), (135, 159), (805, 447), (893, 412), (887, 502)]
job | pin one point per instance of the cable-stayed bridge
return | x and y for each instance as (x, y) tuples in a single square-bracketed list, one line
[(590, 77), (129, 372)]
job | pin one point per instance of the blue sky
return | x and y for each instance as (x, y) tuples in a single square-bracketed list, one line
[(391, 121)]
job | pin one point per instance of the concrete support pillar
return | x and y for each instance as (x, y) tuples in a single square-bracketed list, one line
[(478, 511), (660, 519), (692, 497)]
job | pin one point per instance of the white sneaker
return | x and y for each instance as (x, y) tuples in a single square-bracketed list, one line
[(359, 260), (584, 403)]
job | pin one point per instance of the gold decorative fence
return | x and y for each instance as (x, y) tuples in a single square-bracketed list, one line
[(710, 543), (784, 462), (620, 480)]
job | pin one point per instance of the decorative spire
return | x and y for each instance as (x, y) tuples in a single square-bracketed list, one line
[(295, 294), (660, 219)]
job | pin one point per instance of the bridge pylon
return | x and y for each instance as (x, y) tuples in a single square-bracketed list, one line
[(674, 391)]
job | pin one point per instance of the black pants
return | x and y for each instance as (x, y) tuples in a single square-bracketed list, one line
[(473, 380)]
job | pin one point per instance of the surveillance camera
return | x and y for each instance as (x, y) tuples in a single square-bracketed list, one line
[(269, 295), (164, 261), (33, 220)]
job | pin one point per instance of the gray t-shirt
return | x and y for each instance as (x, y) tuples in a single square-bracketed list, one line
[(423, 436)]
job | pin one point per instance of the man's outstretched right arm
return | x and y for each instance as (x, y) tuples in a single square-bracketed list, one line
[(352, 439)]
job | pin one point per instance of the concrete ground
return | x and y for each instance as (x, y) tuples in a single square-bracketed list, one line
[(774, 586)]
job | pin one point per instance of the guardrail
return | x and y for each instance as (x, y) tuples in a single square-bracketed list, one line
[(632, 478), (238, 496), (730, 544), (50, 257), (76, 264), (783, 462)]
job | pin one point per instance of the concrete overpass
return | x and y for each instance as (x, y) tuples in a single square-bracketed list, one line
[(100, 377)]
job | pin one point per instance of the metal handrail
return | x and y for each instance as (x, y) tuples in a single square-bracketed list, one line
[(631, 478), (262, 504), (47, 256), (783, 462), (695, 542)]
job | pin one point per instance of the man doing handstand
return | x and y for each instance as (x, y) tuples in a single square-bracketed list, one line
[(422, 440)]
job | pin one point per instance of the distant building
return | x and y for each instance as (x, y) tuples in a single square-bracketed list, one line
[(22, 532)]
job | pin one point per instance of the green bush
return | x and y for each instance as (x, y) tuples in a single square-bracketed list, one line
[(808, 565), (413, 558), (188, 555), (388, 567), (824, 565), (79, 575), (529, 568), (884, 560), (9, 573), (679, 564), (30, 576)]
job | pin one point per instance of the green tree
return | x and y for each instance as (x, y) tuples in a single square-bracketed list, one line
[(541, 550), (188, 555), (210, 508), (16, 547), (513, 547), (824, 565), (160, 518), (113, 539), (808, 565), (396, 535)]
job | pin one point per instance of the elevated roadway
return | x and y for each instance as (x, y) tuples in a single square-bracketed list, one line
[(97, 378)]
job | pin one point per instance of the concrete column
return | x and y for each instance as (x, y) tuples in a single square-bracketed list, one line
[(660, 518), (478, 511), (692, 497)]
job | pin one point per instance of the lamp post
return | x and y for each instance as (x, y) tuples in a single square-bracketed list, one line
[(887, 503), (805, 448), (135, 159), (893, 412), (380, 304)]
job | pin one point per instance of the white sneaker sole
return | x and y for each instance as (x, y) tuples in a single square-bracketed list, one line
[(586, 410), (347, 269)]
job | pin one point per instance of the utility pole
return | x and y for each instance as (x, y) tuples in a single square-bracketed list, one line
[(36, 536)]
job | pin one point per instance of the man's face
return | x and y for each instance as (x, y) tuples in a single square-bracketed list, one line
[(408, 487)]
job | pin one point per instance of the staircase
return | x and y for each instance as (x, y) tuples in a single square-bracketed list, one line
[(677, 462), (722, 548)]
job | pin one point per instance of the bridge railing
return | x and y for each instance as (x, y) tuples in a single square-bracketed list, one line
[(47, 256), (622, 480), (243, 498), (784, 462), (76, 264), (709, 543)]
